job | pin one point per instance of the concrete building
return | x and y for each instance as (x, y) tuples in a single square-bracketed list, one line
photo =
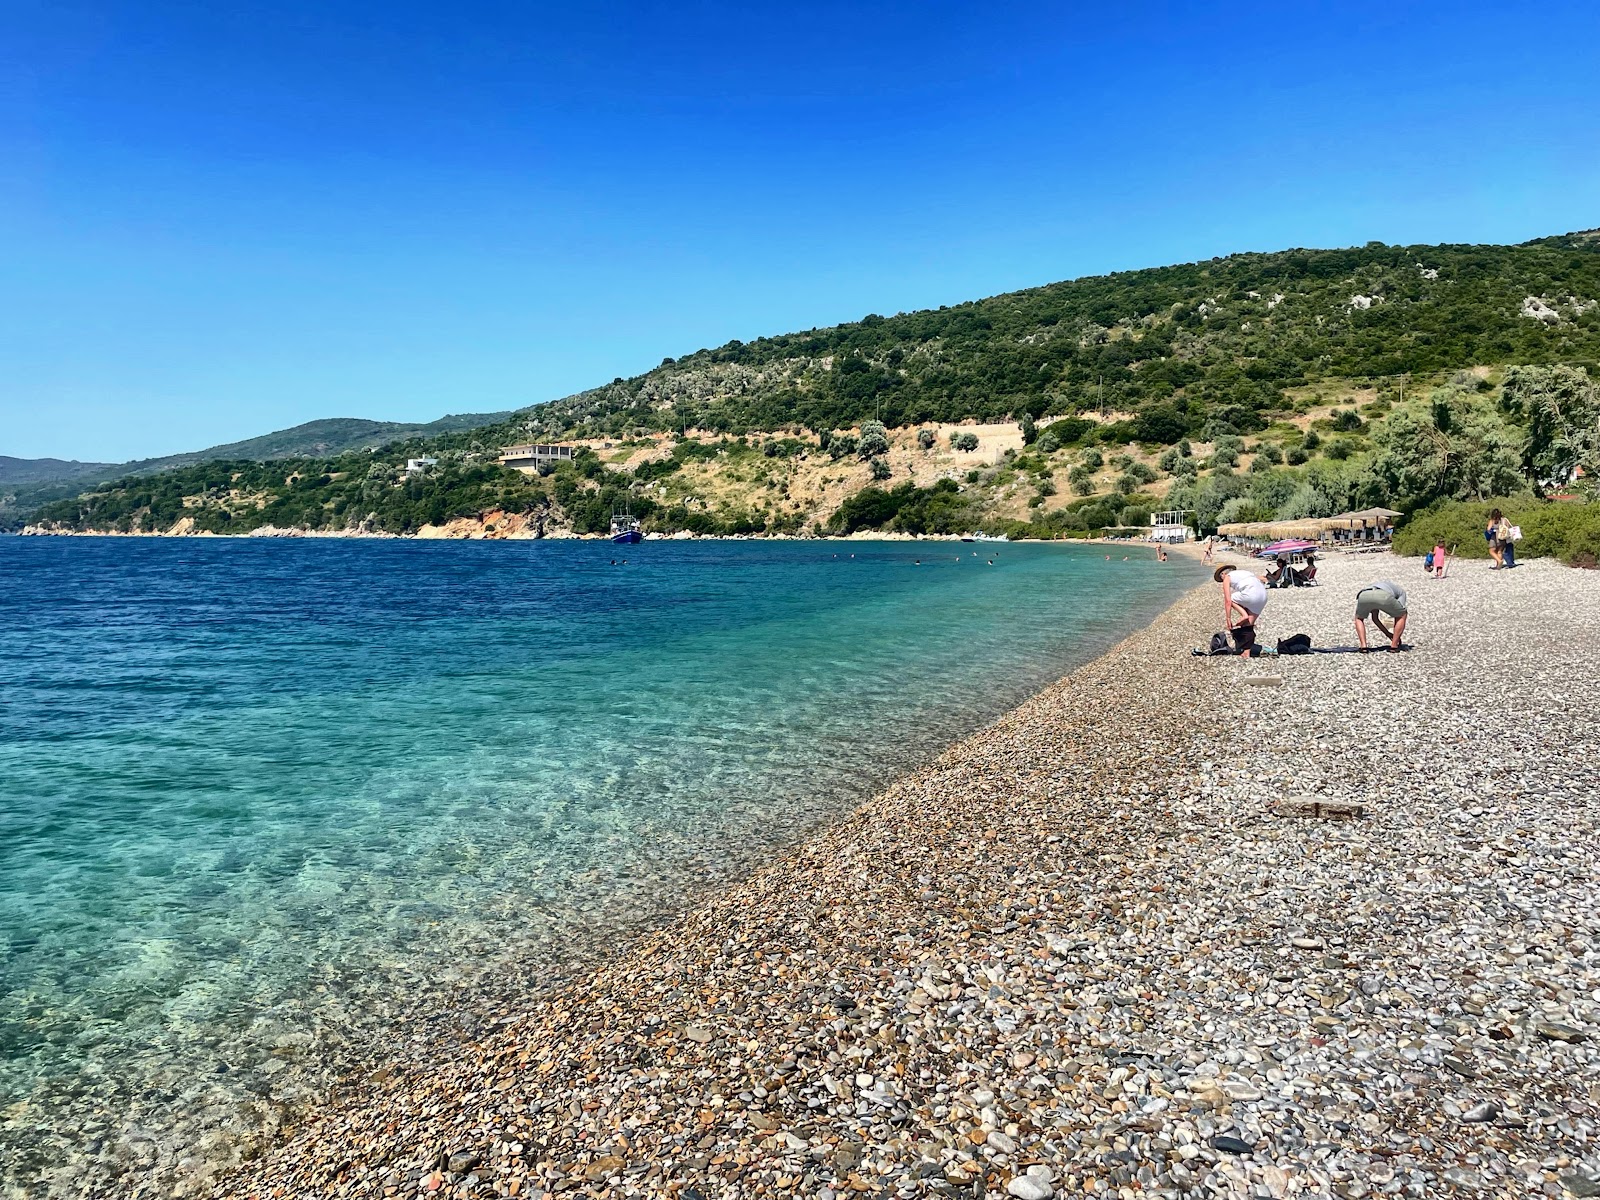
[(531, 457), (1169, 526)]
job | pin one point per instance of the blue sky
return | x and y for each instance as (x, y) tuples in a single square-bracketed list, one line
[(218, 220)]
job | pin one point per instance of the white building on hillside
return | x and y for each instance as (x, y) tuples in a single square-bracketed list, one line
[(1170, 526), (532, 457)]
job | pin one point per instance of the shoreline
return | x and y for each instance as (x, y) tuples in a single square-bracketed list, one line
[(144, 1147), (375, 1093), (1084, 950), (273, 533)]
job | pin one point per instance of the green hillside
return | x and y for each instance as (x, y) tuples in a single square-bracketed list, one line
[(1178, 344), (1288, 384), (322, 439), (28, 483), (19, 471)]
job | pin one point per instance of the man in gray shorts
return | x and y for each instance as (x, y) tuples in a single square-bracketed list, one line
[(1381, 597)]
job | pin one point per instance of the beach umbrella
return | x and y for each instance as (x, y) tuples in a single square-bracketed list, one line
[(1288, 546)]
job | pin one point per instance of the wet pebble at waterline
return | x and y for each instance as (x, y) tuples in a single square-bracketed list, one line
[(1088, 952)]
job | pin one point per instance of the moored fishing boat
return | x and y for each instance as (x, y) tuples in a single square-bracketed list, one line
[(625, 528)]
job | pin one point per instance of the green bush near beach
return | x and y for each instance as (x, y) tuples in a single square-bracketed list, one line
[(1567, 530)]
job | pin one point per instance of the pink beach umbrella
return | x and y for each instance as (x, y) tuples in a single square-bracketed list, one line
[(1287, 546)]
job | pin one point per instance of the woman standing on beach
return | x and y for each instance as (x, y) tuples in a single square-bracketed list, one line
[(1491, 534)]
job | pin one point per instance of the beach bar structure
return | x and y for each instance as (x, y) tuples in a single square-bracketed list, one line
[(1171, 526), (1371, 527), (533, 456)]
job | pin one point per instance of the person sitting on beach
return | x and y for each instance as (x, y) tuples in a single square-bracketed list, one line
[(1383, 596), (1277, 576), (1306, 576), (1244, 596)]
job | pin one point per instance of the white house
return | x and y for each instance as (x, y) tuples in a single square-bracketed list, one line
[(1169, 526), (532, 457)]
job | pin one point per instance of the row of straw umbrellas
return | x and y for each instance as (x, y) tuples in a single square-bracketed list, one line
[(1366, 524)]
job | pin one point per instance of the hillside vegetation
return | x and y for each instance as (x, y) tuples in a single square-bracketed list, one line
[(15, 471), (29, 483), (1260, 385)]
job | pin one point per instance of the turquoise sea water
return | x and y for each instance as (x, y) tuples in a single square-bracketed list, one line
[(258, 794)]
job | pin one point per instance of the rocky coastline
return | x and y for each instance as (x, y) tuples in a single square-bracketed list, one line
[(1177, 926)]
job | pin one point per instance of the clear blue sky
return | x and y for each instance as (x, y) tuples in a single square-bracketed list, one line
[(221, 219)]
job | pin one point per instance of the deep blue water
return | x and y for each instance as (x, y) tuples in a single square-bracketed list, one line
[(235, 772)]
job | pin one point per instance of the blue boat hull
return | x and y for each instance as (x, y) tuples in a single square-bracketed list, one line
[(628, 538)]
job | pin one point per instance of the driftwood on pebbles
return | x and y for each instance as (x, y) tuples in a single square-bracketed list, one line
[(1081, 954)]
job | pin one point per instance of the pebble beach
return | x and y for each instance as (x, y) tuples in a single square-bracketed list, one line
[(1177, 926)]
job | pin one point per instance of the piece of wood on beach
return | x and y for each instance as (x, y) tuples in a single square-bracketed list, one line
[(1337, 810)]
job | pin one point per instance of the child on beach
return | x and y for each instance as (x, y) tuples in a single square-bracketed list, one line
[(1438, 560)]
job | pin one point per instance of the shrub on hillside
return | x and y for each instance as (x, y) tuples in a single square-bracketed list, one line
[(963, 440), (842, 445), (1068, 430), (1243, 508), (926, 438), (874, 440)]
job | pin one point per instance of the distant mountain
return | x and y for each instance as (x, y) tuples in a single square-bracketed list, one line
[(26, 483), (17, 471), (315, 439)]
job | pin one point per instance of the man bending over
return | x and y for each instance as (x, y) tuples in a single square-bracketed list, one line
[(1383, 597)]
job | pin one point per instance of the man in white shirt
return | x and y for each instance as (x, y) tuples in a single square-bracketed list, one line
[(1243, 597)]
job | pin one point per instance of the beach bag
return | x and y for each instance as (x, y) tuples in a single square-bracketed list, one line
[(1516, 533), (1220, 644), (1295, 643)]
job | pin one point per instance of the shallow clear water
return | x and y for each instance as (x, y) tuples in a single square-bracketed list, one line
[(237, 774)]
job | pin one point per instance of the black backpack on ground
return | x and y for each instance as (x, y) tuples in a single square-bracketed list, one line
[(1298, 643)]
